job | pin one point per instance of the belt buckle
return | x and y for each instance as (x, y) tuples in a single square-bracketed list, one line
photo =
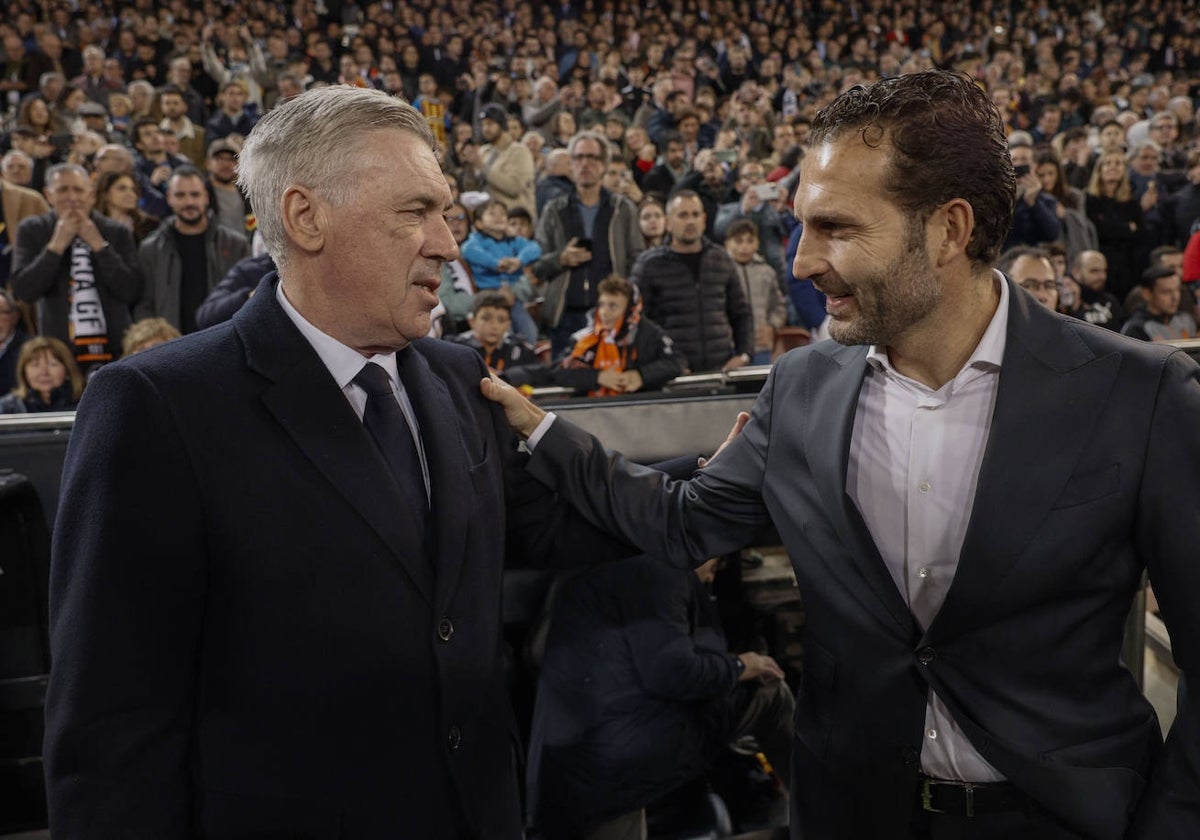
[(927, 797)]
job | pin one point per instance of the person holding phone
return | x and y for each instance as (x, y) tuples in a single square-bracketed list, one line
[(1035, 219), (757, 199)]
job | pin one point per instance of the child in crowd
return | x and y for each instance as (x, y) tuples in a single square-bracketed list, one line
[(520, 223), (760, 284), (497, 261), (620, 352), (489, 335)]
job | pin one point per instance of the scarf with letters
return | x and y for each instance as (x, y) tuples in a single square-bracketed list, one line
[(88, 328)]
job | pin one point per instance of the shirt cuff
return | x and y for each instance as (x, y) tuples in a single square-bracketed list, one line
[(542, 427)]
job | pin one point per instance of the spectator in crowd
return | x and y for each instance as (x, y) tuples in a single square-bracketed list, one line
[(1034, 219), (187, 256), (117, 199), (1096, 304), (760, 284), (708, 180), (230, 206), (16, 167), (669, 170), (233, 117), (95, 84), (1181, 209), (235, 288), (520, 224), (35, 114), (114, 157), (175, 117), (152, 161), (620, 351), (1118, 219), (144, 100), (1030, 268), (47, 379), (756, 199), (508, 165), (690, 287), (147, 333), (585, 236), (79, 268), (1161, 319), (179, 74), (489, 335), (652, 222), (498, 262), (638, 693), (11, 339), (246, 64), (457, 290), (1078, 232), (555, 180), (65, 112), (16, 204)]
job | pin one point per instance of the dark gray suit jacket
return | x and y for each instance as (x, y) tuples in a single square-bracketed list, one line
[(1091, 474), (245, 641)]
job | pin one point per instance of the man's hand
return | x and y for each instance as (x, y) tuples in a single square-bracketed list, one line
[(611, 379), (739, 423), (764, 336), (759, 667), (160, 175), (1030, 185), (572, 255), (65, 231), (631, 381), (90, 234), (521, 414), (735, 362)]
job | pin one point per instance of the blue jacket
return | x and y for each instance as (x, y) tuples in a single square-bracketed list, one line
[(482, 253)]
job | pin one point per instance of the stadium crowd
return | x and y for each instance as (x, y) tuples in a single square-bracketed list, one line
[(582, 140)]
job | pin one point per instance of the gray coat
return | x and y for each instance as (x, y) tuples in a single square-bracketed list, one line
[(160, 265)]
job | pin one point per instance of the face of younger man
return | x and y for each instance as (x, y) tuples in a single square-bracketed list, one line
[(490, 324)]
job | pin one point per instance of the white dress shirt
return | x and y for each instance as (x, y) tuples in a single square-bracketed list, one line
[(344, 363), (915, 456)]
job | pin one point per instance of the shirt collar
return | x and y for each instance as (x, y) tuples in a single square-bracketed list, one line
[(989, 352), (344, 363)]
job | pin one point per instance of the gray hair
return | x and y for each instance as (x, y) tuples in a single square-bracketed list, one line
[(1145, 144), (316, 140), (58, 169), (605, 147)]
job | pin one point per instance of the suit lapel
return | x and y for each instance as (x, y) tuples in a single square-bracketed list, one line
[(307, 403), (836, 379), (449, 482), (1052, 389)]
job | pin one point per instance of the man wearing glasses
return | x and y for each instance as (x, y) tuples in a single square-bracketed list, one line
[(1031, 269), (585, 235)]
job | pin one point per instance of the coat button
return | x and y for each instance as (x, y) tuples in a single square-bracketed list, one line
[(453, 738), (445, 629), (926, 655)]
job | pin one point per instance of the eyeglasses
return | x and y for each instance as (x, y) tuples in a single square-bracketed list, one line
[(1034, 285), (584, 156), (458, 217)]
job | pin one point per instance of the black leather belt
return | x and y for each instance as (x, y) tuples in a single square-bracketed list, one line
[(969, 799)]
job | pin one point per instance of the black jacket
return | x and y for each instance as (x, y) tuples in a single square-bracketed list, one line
[(707, 318), (651, 353)]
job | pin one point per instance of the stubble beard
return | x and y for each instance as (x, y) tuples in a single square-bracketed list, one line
[(900, 295)]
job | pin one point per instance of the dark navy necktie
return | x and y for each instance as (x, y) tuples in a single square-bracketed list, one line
[(389, 428)]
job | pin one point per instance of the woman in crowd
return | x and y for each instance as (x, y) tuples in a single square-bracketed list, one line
[(1078, 232), (1118, 218), (457, 291), (621, 352), (47, 379), (35, 113), (117, 198), (65, 113), (564, 130), (652, 220)]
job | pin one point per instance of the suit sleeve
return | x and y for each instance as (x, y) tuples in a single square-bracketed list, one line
[(681, 522), (34, 267), (127, 589), (1167, 532)]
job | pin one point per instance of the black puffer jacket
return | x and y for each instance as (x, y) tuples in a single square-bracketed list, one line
[(708, 319)]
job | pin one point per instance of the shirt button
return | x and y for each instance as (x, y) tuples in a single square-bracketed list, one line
[(926, 655), (445, 629), (924, 486), (923, 572), (932, 733), (454, 738)]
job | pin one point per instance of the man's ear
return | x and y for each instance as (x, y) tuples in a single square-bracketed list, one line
[(305, 219), (952, 224)]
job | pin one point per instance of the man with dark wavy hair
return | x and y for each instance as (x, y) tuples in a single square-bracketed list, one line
[(970, 487)]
